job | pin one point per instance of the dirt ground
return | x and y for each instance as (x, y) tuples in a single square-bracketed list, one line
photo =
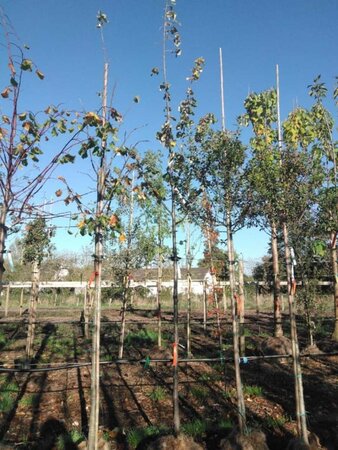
[(49, 410)]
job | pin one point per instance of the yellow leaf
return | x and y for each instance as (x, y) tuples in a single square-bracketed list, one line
[(122, 237), (40, 74)]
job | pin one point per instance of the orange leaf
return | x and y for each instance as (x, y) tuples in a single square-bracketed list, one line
[(122, 237), (113, 220), (5, 92), (58, 193)]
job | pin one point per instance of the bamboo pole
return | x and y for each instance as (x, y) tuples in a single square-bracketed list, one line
[(21, 302), (159, 285), (299, 394), (7, 300), (126, 290), (95, 372)]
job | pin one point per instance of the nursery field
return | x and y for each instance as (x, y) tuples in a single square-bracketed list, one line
[(49, 409)]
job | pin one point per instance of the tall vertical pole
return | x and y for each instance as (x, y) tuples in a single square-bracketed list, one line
[(95, 374), (299, 394), (222, 88), (188, 265)]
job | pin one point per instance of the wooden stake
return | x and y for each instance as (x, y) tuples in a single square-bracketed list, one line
[(7, 300)]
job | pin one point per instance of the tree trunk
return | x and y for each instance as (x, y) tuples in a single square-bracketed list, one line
[(278, 329), (188, 264), (241, 304), (3, 236), (175, 307), (335, 283), (32, 310), (95, 369), (239, 388), (123, 316), (159, 288), (299, 394)]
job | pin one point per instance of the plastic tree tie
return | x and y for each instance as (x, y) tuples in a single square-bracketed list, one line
[(174, 354), (92, 278), (244, 360), (147, 362)]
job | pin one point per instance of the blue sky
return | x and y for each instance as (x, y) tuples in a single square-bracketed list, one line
[(300, 35)]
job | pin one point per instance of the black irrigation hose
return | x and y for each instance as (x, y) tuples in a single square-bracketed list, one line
[(148, 361), (136, 322)]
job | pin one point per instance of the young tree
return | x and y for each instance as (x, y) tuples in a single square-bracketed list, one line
[(23, 141), (36, 246)]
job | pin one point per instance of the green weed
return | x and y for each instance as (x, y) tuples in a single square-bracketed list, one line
[(6, 401), (200, 393), (225, 424), (229, 393), (158, 394), (195, 428), (276, 422), (67, 440), (30, 401), (256, 391), (3, 339), (141, 337), (136, 435)]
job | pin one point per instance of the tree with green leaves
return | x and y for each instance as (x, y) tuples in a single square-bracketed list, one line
[(36, 246), (216, 161), (326, 151), (263, 176), (112, 163)]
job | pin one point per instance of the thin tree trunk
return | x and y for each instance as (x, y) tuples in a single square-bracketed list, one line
[(159, 286), (86, 312), (3, 235), (123, 316), (278, 329), (335, 283), (175, 306), (239, 388), (188, 256), (241, 304), (299, 394), (34, 295), (95, 372)]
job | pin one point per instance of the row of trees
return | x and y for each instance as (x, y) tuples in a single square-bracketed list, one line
[(285, 181)]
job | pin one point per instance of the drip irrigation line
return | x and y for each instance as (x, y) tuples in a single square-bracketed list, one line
[(143, 361), (152, 320)]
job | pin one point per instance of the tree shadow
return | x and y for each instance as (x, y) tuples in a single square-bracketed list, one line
[(83, 411), (4, 427), (54, 433)]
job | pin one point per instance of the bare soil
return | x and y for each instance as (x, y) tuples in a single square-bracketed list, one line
[(50, 410)]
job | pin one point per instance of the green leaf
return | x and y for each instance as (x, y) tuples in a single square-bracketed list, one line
[(13, 82), (27, 64), (67, 159)]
